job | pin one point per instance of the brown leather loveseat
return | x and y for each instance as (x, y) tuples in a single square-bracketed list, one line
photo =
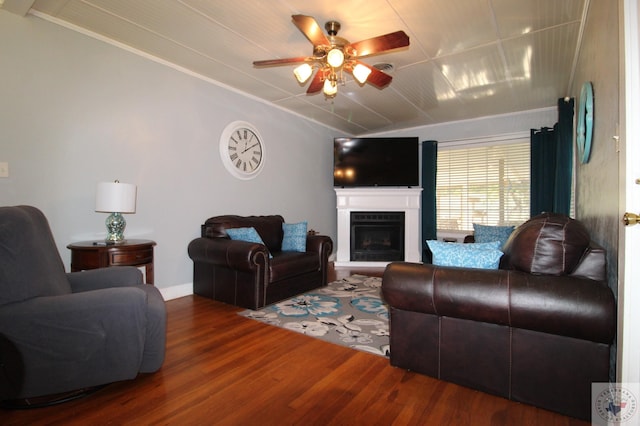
[(253, 275), (538, 330)]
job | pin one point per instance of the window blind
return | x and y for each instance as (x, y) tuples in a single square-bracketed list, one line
[(488, 185)]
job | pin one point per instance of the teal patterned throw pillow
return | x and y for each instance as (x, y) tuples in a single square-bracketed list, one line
[(479, 255), (249, 235), (295, 237), (487, 234)]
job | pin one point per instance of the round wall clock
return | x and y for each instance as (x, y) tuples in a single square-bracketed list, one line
[(584, 128), (242, 150)]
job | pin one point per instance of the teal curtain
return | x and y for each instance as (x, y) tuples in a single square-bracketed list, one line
[(552, 163), (564, 158), (429, 169), (543, 170)]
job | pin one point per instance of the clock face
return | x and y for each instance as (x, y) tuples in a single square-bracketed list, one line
[(242, 150), (245, 150)]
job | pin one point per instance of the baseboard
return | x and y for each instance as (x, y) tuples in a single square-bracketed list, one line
[(361, 264), (176, 291)]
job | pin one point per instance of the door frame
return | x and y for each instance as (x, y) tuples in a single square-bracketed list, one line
[(628, 350)]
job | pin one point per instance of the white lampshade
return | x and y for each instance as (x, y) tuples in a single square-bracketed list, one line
[(360, 73), (303, 72), (335, 58), (116, 197), (330, 88)]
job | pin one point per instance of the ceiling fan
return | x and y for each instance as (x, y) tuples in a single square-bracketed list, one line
[(332, 55)]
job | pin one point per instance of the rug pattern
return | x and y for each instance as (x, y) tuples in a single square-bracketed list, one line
[(348, 312)]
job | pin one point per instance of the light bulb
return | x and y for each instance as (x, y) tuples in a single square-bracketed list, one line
[(303, 72), (335, 58), (361, 72)]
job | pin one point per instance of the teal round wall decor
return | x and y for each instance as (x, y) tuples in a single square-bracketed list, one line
[(585, 122)]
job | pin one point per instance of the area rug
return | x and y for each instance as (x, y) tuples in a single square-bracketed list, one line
[(348, 312)]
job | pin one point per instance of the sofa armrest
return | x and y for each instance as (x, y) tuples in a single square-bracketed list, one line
[(240, 255), (562, 305), (408, 286), (320, 244), (114, 276), (468, 293)]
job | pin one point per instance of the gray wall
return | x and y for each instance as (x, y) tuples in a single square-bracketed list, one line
[(597, 187), (75, 111)]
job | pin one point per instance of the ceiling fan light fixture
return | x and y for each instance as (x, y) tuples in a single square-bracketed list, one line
[(303, 72), (361, 73), (335, 58), (330, 88)]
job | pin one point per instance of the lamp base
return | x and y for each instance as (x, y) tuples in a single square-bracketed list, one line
[(115, 228)]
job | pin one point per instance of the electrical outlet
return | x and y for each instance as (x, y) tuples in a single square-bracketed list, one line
[(4, 169)]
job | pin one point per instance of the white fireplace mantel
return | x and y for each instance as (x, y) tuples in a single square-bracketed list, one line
[(406, 200)]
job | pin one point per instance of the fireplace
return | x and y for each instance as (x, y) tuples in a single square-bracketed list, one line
[(379, 202), (377, 236)]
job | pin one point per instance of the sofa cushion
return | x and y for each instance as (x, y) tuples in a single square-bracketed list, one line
[(269, 228), (547, 244), (477, 255), (249, 235), (295, 237), (487, 233), (288, 264)]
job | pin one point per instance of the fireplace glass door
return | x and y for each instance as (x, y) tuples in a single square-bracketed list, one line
[(377, 236)]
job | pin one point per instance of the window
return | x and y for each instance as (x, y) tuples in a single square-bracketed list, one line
[(482, 184)]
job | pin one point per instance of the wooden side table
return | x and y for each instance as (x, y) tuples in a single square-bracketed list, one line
[(97, 254)]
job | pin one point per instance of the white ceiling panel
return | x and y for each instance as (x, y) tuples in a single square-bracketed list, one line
[(423, 85), (552, 56), (322, 115), (475, 73), (518, 17), (445, 27), (466, 59), (389, 104)]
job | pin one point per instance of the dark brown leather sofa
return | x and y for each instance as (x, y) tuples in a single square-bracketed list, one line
[(244, 274), (538, 330)]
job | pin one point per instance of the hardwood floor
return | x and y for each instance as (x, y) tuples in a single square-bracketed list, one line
[(222, 368)]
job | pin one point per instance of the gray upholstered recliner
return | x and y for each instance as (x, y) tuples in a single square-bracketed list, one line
[(60, 332)]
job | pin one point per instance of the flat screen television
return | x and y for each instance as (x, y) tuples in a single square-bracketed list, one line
[(365, 162)]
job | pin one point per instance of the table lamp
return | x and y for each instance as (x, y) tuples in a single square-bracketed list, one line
[(115, 198)]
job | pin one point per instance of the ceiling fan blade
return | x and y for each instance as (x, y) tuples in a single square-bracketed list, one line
[(310, 28), (284, 61), (381, 43), (316, 84), (377, 78)]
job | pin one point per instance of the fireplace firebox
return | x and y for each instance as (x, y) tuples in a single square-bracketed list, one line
[(377, 236)]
